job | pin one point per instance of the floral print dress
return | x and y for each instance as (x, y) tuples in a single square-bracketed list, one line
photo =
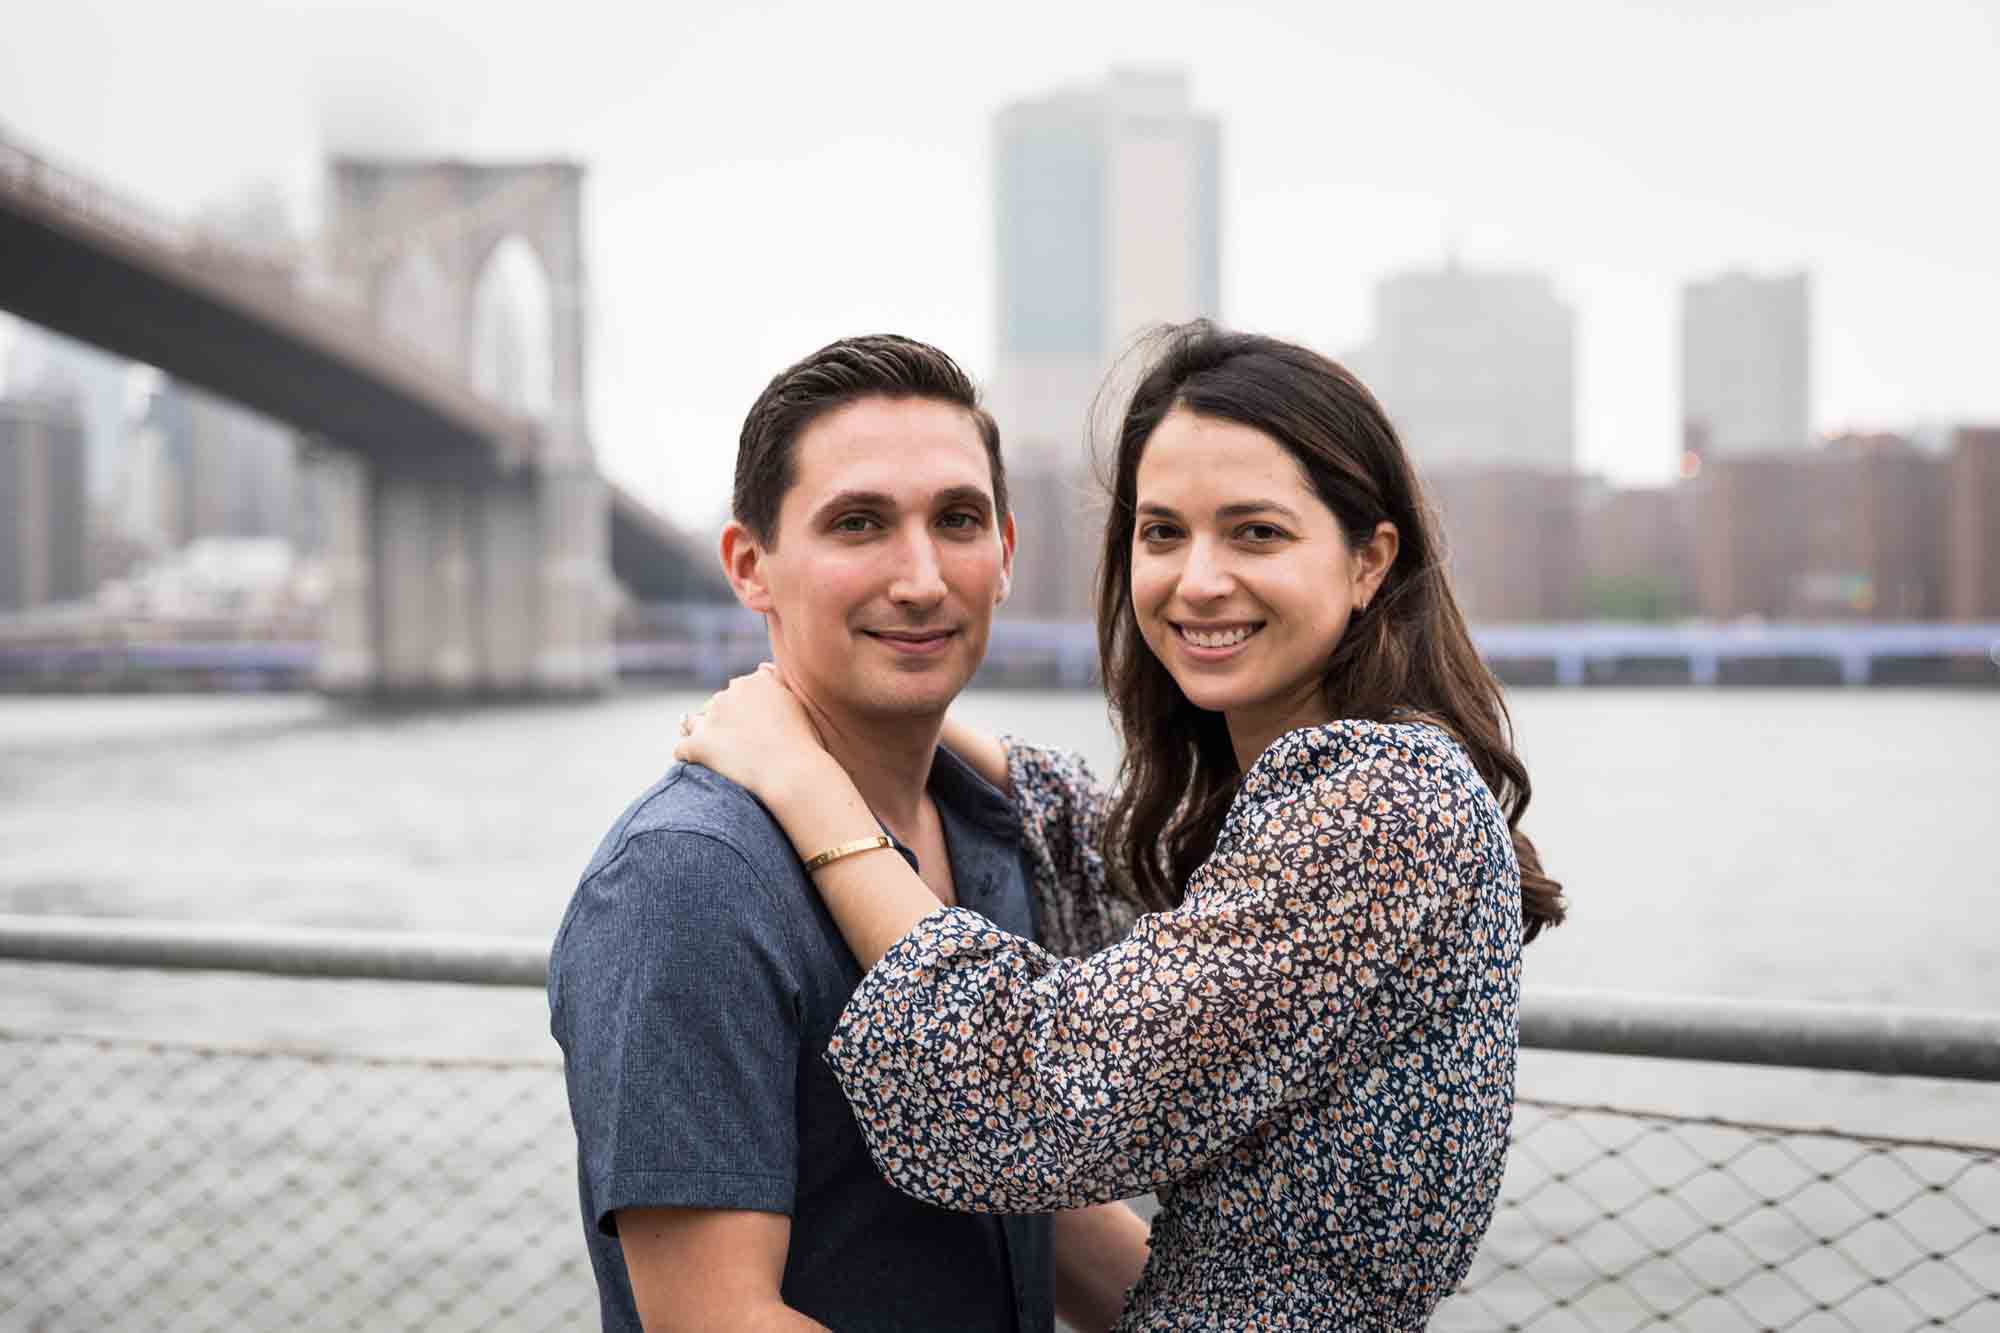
[(1310, 1060)]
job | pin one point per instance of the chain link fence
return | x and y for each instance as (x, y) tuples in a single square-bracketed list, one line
[(173, 1186), (158, 1186), (155, 1186), (1613, 1219)]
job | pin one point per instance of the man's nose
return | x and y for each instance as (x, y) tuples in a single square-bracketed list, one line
[(919, 580)]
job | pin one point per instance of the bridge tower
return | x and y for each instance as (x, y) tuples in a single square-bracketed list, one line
[(454, 579)]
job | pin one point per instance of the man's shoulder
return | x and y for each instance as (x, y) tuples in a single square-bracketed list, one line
[(694, 854), (693, 805)]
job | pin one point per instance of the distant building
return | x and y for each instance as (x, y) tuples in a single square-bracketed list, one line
[(1853, 530), (1107, 221), (1972, 541), (1874, 547), (1476, 368), (44, 503), (1511, 542), (1636, 548), (45, 364), (205, 467), (1745, 365), (1749, 539)]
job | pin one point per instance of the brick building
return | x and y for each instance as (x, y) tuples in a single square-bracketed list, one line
[(1637, 553), (1511, 541), (1852, 531), (1972, 537)]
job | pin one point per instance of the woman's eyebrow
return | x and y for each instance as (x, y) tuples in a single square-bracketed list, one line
[(1247, 508), (1238, 509)]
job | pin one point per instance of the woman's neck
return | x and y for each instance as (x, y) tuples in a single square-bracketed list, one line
[(1251, 730)]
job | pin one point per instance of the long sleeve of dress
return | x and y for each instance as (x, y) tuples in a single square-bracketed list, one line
[(1062, 806), (989, 1074)]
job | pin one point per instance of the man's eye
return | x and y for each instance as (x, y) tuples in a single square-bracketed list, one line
[(853, 523), (961, 519)]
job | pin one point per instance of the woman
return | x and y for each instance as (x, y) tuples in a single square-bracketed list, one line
[(1306, 1046)]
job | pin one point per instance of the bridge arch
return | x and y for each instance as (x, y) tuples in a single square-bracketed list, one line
[(512, 348)]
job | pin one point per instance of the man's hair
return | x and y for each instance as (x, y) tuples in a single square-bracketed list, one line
[(883, 365)]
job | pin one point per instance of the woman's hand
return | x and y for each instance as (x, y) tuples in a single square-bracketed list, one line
[(755, 732)]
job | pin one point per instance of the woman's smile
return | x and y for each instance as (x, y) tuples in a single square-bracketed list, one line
[(1215, 642)]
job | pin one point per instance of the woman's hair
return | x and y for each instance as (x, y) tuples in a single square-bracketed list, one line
[(1406, 653)]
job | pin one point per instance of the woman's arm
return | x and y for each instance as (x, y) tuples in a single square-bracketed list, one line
[(987, 1074), (1079, 905), (987, 755), (755, 732), (1079, 908)]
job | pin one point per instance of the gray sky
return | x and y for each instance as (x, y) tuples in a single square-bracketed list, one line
[(766, 177)]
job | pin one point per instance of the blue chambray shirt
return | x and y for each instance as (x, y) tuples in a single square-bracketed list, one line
[(693, 986)]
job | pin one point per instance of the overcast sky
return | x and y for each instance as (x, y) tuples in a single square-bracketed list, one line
[(767, 177)]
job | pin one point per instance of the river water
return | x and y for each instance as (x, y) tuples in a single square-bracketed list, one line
[(1790, 845)]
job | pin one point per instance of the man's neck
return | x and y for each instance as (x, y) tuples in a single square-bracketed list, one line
[(890, 762)]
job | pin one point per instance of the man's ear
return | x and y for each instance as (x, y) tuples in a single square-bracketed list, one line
[(743, 565), (1006, 559)]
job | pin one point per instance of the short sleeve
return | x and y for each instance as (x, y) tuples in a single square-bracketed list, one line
[(988, 1074), (1062, 807), (674, 997)]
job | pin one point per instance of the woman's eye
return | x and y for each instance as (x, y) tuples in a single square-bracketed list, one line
[(1260, 532), (1156, 532)]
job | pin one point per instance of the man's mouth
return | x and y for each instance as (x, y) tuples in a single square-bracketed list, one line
[(913, 641), (1215, 637)]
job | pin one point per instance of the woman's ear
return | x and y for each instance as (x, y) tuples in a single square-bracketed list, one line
[(1375, 559)]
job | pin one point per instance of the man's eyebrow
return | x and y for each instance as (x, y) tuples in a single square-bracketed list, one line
[(855, 500), (975, 496)]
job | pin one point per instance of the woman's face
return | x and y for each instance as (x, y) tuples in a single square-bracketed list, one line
[(1242, 580)]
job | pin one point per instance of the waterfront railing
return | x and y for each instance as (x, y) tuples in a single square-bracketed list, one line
[(180, 1185)]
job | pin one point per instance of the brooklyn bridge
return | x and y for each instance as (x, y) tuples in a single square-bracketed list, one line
[(429, 351)]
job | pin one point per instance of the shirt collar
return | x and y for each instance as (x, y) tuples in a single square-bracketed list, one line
[(964, 797), (955, 784)]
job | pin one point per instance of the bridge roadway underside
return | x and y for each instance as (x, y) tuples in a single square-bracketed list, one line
[(423, 604), (208, 329)]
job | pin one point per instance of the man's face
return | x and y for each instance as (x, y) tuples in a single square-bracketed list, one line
[(888, 561)]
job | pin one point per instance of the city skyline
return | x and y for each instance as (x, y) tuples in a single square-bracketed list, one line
[(1107, 223), (736, 221), (1477, 367)]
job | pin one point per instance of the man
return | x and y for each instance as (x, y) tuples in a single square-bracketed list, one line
[(696, 976)]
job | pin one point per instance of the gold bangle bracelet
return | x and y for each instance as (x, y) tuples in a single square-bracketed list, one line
[(855, 848)]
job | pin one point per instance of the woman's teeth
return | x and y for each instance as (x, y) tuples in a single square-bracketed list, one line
[(1219, 638)]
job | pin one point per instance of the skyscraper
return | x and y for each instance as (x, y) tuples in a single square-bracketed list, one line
[(1745, 378), (1108, 220), (44, 523), (1476, 368)]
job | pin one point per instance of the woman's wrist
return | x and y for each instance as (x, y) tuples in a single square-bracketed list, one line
[(802, 783), (819, 807)]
